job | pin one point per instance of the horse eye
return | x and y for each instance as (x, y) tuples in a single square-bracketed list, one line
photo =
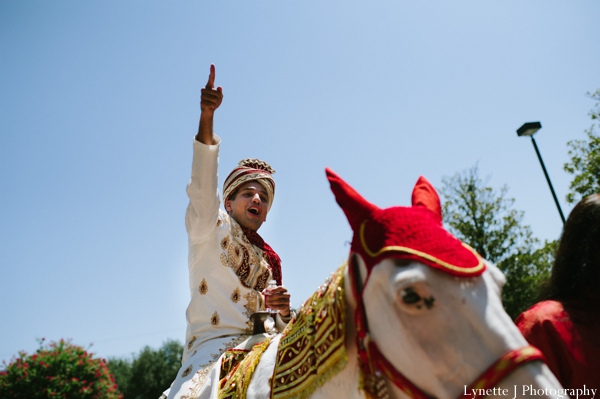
[(409, 296), (401, 262)]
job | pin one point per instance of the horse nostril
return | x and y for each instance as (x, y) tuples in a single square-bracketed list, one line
[(409, 296)]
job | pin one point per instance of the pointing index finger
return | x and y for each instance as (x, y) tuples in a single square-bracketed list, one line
[(211, 78)]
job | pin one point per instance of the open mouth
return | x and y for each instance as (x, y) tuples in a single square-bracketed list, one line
[(254, 211)]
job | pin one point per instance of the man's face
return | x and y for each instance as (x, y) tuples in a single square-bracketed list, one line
[(250, 206)]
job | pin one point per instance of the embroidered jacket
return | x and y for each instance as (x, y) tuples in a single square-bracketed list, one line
[(226, 275), (226, 272)]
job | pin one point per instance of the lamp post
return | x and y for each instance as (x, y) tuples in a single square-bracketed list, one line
[(528, 129)]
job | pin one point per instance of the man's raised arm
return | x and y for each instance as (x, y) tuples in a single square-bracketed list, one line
[(210, 100), (203, 209)]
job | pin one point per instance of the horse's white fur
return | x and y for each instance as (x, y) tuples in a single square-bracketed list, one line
[(446, 346), (441, 346)]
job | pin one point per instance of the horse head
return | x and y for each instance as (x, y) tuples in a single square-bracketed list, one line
[(427, 308)]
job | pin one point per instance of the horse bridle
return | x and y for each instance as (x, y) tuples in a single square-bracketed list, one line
[(374, 364)]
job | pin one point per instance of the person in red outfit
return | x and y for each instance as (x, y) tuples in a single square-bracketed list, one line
[(565, 326)]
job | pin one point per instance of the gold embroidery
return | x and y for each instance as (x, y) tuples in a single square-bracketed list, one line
[(251, 305), (187, 371), (231, 358), (235, 341), (245, 259), (225, 242), (235, 296), (203, 288), (201, 375), (311, 350), (219, 222), (235, 382), (199, 379), (237, 257), (191, 342), (215, 320)]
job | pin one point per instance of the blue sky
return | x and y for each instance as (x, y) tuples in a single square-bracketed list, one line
[(99, 103)]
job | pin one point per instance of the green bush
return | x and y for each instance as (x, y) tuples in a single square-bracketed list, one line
[(147, 374), (57, 370)]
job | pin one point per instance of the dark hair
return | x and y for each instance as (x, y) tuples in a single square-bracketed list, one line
[(234, 194), (576, 272)]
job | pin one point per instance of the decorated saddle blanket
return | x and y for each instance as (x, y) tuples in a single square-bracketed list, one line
[(310, 352)]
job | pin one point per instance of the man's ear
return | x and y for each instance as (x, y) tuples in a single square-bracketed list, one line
[(228, 205)]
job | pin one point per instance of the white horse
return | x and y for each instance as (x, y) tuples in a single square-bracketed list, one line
[(414, 314)]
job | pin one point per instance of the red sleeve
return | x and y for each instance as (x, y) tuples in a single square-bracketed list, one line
[(547, 327), (571, 350)]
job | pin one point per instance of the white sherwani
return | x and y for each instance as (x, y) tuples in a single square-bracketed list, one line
[(226, 275)]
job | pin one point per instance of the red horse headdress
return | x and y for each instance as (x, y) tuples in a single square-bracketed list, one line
[(414, 232)]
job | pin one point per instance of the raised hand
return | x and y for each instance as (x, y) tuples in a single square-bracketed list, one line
[(211, 98)]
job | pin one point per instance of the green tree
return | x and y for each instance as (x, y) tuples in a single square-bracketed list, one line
[(121, 370), (482, 217), (526, 272), (57, 370), (585, 159), (148, 374)]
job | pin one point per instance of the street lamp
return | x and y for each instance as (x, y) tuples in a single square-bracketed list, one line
[(528, 129)]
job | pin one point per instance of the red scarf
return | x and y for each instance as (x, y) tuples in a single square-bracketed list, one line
[(270, 255)]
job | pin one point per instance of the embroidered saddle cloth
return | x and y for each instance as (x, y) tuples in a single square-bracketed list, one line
[(310, 352)]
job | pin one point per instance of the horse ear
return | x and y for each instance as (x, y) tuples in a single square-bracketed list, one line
[(356, 208), (425, 195)]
